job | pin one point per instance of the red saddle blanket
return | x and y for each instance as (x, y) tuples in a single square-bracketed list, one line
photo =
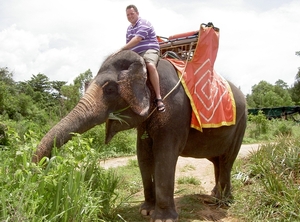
[(211, 97)]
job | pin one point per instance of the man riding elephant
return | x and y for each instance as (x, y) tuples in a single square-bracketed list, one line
[(141, 38)]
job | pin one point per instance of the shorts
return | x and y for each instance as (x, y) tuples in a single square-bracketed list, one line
[(150, 56)]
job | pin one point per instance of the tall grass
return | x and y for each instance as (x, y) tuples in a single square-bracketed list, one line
[(123, 143), (71, 186), (269, 182), (260, 129)]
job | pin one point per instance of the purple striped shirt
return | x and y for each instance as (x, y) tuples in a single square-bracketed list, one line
[(144, 29)]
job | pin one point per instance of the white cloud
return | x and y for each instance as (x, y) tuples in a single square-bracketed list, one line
[(65, 38)]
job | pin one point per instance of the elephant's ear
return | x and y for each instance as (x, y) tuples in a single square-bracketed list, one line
[(133, 89)]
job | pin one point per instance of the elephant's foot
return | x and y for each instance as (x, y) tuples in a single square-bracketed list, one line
[(147, 209), (220, 193), (167, 220), (215, 193), (223, 197), (164, 216)]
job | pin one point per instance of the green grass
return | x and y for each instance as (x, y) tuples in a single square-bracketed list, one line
[(259, 129), (71, 186), (188, 167), (267, 184), (188, 180)]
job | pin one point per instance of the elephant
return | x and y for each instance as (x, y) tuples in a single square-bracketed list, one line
[(121, 85)]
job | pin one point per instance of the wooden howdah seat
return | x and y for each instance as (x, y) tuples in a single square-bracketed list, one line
[(180, 46), (193, 55)]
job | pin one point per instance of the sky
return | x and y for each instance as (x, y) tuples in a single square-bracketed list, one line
[(62, 39)]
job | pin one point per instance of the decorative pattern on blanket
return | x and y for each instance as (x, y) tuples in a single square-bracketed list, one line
[(210, 95)]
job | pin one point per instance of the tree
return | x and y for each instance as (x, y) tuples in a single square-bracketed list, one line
[(39, 98), (40, 83), (15, 99), (282, 90), (72, 93), (7, 93), (295, 89), (295, 92), (298, 73), (82, 79), (6, 76), (258, 93), (280, 83), (56, 87), (265, 94), (41, 89)]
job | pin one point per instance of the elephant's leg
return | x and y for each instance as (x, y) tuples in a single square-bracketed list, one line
[(165, 165), (226, 162), (222, 168), (146, 164), (224, 182), (223, 165), (157, 160), (215, 161)]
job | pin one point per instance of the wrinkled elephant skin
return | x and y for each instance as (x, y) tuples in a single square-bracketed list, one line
[(122, 82)]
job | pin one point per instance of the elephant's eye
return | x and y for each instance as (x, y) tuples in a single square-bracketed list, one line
[(111, 88)]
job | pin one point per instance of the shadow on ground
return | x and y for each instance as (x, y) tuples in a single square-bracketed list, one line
[(194, 207)]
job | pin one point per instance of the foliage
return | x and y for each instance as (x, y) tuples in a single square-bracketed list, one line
[(82, 79), (265, 94), (131, 181), (73, 92), (260, 122), (270, 181), (3, 135), (39, 99), (284, 128), (123, 143), (71, 186), (260, 129), (188, 180), (7, 93), (295, 90)]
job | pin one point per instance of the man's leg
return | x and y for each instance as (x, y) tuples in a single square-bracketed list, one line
[(154, 79), (151, 58)]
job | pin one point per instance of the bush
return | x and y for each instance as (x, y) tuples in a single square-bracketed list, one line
[(284, 128), (71, 186), (261, 123), (261, 129), (270, 181), (122, 144), (3, 135)]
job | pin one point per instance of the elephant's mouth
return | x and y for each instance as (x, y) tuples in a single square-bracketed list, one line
[(118, 116)]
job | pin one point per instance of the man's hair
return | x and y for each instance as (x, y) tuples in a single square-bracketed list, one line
[(132, 6)]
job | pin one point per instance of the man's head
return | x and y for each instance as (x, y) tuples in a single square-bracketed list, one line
[(132, 14)]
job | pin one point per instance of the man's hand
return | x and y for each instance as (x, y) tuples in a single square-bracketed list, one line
[(133, 42), (115, 53)]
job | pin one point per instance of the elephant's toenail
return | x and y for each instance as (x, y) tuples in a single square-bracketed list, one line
[(151, 212), (144, 212), (159, 220)]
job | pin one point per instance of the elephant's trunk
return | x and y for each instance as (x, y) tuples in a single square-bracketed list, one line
[(83, 117)]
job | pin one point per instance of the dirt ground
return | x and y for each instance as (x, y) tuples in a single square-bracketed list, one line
[(202, 169)]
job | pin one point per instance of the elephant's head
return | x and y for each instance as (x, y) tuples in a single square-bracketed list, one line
[(120, 86)]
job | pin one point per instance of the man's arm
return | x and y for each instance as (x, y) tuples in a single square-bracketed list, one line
[(133, 42)]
